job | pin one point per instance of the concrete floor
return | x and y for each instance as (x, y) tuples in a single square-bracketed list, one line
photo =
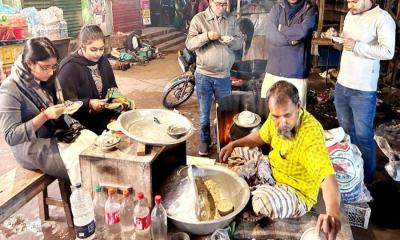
[(144, 84)]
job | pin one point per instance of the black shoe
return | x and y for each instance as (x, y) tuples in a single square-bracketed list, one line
[(203, 149)]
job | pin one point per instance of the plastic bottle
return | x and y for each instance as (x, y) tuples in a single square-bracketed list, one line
[(63, 29), (83, 214), (99, 202), (158, 220), (127, 224), (112, 214), (141, 217)]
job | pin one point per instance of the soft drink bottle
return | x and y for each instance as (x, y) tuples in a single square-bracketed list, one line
[(158, 220), (141, 217), (99, 202), (83, 214), (112, 214), (127, 224)]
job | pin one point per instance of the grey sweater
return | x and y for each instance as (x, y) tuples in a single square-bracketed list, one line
[(212, 57), (32, 149)]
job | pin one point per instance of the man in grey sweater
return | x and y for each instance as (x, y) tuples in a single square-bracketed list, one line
[(213, 35)]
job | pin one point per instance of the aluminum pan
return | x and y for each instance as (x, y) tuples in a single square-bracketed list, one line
[(139, 125), (235, 188)]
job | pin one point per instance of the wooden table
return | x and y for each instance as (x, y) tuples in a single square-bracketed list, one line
[(122, 167)]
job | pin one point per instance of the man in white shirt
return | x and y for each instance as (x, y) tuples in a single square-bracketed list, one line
[(369, 36)]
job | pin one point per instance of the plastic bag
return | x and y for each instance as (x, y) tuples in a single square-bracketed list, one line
[(348, 164), (220, 234), (387, 137)]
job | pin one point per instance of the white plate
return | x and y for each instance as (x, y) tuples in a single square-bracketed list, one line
[(113, 106), (338, 39), (311, 234), (113, 126), (106, 143), (72, 107)]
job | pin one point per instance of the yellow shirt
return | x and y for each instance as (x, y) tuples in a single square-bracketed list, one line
[(301, 162)]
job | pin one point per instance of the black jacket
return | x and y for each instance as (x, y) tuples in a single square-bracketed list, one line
[(77, 84), (289, 48)]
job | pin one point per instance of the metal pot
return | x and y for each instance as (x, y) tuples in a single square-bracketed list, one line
[(232, 187)]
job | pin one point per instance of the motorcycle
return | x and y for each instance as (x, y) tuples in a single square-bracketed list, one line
[(245, 76), (181, 88)]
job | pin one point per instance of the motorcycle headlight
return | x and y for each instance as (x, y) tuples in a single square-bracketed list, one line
[(182, 64)]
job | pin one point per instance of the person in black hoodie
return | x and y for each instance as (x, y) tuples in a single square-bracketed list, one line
[(86, 75)]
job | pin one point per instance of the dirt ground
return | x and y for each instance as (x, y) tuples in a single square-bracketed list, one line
[(144, 84)]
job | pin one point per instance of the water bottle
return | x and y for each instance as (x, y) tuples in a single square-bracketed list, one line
[(63, 29), (158, 220), (99, 202), (141, 217), (112, 214), (127, 224), (82, 212)]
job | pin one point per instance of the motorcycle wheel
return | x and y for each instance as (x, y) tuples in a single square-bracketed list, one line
[(178, 92)]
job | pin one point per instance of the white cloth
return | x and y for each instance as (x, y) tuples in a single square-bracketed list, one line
[(300, 84), (70, 154), (374, 33), (278, 201)]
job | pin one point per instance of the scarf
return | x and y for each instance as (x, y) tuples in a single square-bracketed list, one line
[(39, 93)]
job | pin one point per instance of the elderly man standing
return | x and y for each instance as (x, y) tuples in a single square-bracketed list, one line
[(213, 35), (369, 36), (289, 32), (299, 161)]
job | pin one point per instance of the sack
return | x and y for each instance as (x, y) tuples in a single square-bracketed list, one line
[(69, 135), (348, 164)]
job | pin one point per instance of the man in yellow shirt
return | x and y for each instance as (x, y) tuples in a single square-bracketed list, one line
[(299, 161)]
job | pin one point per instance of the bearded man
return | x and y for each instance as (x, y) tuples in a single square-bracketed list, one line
[(299, 161)]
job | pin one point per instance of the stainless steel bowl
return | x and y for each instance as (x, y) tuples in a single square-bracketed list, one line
[(232, 187), (150, 126)]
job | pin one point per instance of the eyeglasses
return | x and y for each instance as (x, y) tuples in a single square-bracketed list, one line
[(220, 4), (48, 68)]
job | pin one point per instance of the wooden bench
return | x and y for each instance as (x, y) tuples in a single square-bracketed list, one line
[(18, 186)]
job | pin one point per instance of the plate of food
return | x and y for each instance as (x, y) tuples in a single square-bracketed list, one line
[(338, 39), (71, 107), (113, 106), (226, 39), (106, 142)]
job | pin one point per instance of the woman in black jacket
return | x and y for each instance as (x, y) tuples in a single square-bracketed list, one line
[(86, 75)]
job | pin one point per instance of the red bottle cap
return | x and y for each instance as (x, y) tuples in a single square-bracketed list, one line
[(140, 195), (111, 191), (157, 199), (126, 193)]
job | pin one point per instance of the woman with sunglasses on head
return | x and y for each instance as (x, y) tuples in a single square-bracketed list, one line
[(86, 75), (30, 115)]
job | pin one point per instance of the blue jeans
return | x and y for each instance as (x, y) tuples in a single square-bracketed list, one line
[(356, 112), (206, 87)]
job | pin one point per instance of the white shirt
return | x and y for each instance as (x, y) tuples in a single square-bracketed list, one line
[(374, 33)]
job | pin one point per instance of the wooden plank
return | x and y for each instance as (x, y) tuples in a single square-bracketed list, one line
[(43, 207), (141, 149), (25, 184), (54, 202), (65, 191)]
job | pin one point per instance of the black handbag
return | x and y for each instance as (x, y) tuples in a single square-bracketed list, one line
[(70, 134)]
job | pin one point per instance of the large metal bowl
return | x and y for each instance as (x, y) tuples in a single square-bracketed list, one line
[(150, 126), (231, 187)]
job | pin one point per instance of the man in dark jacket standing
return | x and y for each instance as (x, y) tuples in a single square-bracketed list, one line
[(289, 31)]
